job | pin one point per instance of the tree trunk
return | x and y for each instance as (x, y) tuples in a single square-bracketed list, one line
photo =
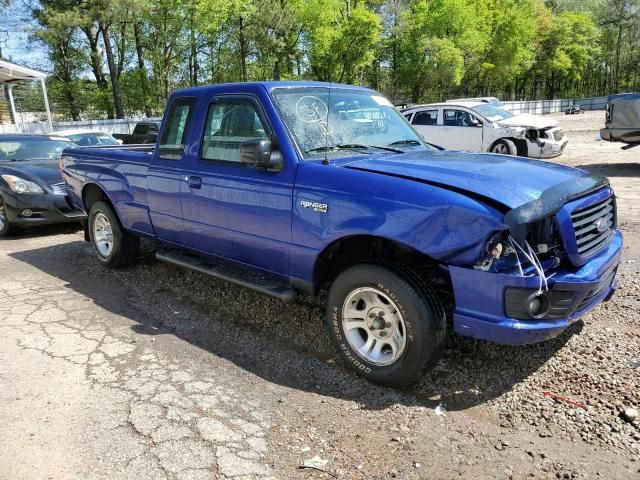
[(122, 46), (616, 78), (113, 70), (193, 50), (243, 51), (137, 35), (92, 33)]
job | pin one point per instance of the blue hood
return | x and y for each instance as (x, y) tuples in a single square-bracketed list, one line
[(510, 181)]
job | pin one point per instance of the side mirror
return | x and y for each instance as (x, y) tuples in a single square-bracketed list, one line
[(260, 153), (475, 122)]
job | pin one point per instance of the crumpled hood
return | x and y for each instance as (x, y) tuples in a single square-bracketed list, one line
[(528, 120), (510, 181), (46, 171)]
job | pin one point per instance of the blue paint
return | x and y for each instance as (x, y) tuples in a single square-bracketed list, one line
[(446, 205)]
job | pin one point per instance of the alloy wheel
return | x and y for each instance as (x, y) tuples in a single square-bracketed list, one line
[(103, 234), (374, 326)]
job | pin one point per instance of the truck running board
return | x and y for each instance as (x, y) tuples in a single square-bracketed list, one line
[(239, 276)]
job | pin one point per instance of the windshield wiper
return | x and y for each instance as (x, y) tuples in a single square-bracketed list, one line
[(406, 142), (353, 146)]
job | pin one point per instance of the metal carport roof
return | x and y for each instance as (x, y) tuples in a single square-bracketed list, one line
[(10, 74)]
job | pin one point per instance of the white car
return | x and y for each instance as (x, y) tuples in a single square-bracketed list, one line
[(88, 138), (482, 127), (492, 100)]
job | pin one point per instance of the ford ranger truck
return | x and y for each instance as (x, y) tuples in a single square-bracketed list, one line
[(293, 188)]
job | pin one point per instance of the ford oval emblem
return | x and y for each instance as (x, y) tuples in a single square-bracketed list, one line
[(601, 224)]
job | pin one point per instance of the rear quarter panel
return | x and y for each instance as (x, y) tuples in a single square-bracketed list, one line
[(121, 174)]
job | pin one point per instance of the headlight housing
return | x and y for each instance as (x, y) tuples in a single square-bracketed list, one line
[(20, 185)]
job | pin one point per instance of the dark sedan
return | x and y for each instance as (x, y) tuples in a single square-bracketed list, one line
[(32, 191)]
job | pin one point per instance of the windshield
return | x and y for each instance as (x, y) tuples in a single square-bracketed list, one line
[(324, 121), (492, 113), (24, 149)]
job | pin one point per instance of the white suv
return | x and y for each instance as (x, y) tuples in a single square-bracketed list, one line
[(482, 127)]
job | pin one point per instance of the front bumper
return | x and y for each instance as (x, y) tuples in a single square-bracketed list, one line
[(480, 304), (47, 209), (624, 135), (546, 148)]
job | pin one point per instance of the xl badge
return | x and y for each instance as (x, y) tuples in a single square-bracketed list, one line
[(317, 206)]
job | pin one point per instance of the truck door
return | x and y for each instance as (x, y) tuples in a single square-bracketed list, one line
[(232, 209), (165, 177), (460, 130)]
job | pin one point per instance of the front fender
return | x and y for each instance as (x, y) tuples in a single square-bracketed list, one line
[(332, 203)]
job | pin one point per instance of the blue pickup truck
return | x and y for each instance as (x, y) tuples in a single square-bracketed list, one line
[(302, 187)]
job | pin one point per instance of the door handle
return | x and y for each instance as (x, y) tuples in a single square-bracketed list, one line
[(194, 182)]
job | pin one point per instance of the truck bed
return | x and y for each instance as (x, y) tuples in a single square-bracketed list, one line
[(124, 169)]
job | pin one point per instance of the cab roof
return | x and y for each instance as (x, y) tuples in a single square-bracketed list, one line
[(271, 85)]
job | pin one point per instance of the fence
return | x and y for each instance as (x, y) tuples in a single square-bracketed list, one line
[(109, 126), (540, 107)]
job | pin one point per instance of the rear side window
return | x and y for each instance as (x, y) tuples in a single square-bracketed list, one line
[(141, 129), (428, 117), (174, 134), (229, 124)]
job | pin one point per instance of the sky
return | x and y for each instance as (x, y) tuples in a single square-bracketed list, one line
[(15, 22)]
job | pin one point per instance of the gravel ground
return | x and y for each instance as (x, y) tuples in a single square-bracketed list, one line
[(552, 410)]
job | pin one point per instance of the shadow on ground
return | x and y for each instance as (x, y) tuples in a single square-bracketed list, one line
[(282, 343), (613, 169), (21, 233)]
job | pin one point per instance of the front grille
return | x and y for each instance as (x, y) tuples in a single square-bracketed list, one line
[(59, 188), (594, 226), (558, 135)]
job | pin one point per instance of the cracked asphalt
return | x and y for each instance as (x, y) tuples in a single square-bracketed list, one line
[(110, 375), (85, 396)]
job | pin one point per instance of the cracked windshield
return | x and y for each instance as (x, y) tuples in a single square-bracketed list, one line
[(325, 121)]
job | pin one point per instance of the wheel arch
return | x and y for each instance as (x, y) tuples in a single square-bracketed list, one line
[(520, 145), (350, 250), (92, 193)]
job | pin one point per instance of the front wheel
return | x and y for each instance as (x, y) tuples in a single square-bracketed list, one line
[(114, 247), (504, 147), (388, 325), (5, 226)]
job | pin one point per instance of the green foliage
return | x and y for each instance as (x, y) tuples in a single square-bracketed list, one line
[(411, 50), (340, 40)]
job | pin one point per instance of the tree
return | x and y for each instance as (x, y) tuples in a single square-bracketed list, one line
[(340, 38), (57, 32)]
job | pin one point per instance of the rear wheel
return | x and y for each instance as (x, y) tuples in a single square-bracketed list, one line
[(387, 324), (114, 247), (5, 226)]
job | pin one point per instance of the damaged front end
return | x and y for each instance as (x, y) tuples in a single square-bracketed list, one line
[(555, 260), (543, 139), (545, 142)]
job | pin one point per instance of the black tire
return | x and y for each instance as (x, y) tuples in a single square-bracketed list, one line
[(5, 226), (504, 147), (422, 312), (125, 247)]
